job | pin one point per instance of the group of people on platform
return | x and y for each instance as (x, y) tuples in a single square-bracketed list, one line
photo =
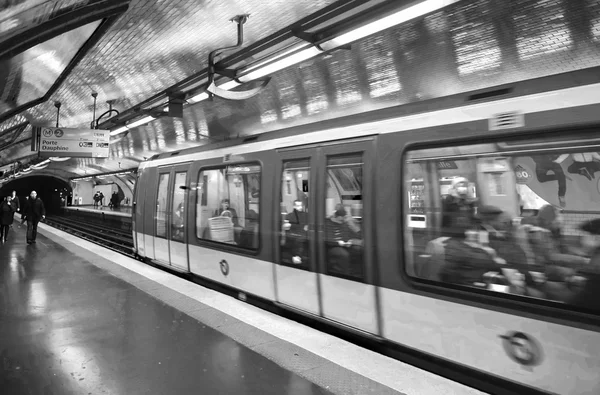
[(113, 203), (33, 212)]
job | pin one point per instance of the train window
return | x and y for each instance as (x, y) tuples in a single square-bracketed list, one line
[(294, 213), (178, 208), (343, 209), (513, 217), (161, 205), (228, 205)]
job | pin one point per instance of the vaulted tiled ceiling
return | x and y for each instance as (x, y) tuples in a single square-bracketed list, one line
[(155, 44)]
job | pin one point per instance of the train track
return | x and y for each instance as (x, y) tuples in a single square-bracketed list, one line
[(114, 239)]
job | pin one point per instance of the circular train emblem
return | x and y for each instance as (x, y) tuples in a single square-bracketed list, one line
[(59, 133), (522, 348), (47, 132), (224, 267)]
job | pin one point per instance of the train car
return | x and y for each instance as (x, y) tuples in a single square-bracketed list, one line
[(461, 229)]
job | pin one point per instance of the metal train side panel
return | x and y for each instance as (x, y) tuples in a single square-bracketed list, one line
[(567, 357), (250, 271), (298, 288), (241, 272), (521, 344), (358, 314)]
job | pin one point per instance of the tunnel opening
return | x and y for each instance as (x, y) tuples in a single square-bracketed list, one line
[(54, 192)]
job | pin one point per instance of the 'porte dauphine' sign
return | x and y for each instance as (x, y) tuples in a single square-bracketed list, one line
[(78, 143)]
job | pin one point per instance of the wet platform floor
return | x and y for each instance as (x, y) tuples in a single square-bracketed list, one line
[(69, 327)]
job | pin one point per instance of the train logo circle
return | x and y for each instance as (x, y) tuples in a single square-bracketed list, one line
[(59, 133), (47, 132), (522, 348), (224, 267)]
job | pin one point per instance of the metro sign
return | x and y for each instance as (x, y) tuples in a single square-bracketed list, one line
[(71, 142)]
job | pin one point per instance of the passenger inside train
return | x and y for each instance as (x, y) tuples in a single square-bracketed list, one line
[(228, 205), (341, 239), (490, 216), (296, 227)]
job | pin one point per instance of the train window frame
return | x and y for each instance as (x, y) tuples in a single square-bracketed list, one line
[(221, 245), (529, 306)]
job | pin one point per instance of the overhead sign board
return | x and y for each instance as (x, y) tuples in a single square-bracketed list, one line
[(78, 143)]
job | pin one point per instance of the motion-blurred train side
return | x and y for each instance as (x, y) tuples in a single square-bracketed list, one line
[(459, 228)]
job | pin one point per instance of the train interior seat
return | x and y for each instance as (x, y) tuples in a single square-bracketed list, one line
[(221, 229)]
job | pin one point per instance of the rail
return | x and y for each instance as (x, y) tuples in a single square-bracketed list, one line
[(114, 239)]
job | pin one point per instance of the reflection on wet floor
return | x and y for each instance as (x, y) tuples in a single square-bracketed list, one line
[(68, 327)]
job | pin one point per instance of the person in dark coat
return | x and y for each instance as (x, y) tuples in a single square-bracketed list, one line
[(343, 242), (7, 211), (458, 209), (589, 296), (33, 213), (15, 200), (296, 226)]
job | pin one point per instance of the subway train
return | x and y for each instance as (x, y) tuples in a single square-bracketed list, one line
[(459, 229)]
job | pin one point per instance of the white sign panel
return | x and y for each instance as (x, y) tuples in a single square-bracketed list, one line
[(78, 143)]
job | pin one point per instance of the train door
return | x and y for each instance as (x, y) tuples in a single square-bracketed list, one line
[(137, 214), (177, 219), (296, 271), (161, 217), (170, 246), (344, 216), (324, 261)]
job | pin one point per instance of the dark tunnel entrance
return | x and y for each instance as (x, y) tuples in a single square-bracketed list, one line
[(54, 192)]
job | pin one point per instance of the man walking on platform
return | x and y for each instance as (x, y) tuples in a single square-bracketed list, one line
[(15, 200), (16, 203), (33, 213)]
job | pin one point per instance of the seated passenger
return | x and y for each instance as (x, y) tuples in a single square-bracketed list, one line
[(227, 211), (467, 262), (499, 229), (589, 295), (543, 234), (344, 244), (458, 209), (296, 226)]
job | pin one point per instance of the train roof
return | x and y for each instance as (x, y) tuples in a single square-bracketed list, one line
[(484, 104)]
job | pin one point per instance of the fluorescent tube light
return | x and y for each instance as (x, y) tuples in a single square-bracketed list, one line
[(120, 130), (404, 15), (140, 122), (281, 64), (198, 98), (283, 54)]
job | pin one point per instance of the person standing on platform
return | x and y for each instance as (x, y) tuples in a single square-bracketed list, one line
[(15, 201), (7, 211), (33, 213)]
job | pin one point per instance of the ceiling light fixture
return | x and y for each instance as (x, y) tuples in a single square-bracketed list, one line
[(281, 64), (305, 51), (132, 125), (381, 24)]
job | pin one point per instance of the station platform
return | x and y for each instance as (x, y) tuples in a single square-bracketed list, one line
[(76, 318)]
